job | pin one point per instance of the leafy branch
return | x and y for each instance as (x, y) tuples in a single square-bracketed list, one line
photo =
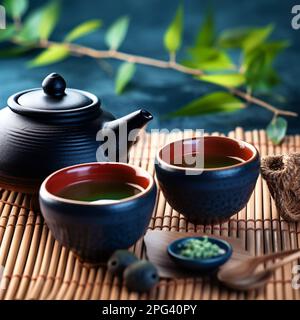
[(208, 60)]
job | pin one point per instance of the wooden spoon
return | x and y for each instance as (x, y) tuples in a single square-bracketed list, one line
[(242, 276)]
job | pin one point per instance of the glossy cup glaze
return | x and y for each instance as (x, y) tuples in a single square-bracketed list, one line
[(209, 195), (95, 231)]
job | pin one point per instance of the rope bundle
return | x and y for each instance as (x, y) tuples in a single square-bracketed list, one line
[(282, 174)]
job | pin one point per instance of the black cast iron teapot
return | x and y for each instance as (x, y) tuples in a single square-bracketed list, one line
[(45, 129)]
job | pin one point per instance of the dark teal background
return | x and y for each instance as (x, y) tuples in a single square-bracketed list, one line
[(161, 91)]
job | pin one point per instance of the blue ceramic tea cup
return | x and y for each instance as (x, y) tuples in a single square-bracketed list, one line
[(208, 195), (93, 231)]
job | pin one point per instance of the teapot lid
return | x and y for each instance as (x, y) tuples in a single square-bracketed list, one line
[(55, 101)]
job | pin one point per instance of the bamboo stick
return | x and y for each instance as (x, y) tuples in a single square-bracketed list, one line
[(277, 239), (81, 283), (58, 279), (50, 277), (35, 244), (197, 294), (286, 237), (295, 147), (5, 213), (38, 261), (41, 277), (258, 195), (10, 214), (266, 210), (95, 294), (71, 289), (18, 251), (88, 286), (69, 269)]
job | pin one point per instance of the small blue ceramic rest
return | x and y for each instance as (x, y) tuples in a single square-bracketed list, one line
[(208, 264)]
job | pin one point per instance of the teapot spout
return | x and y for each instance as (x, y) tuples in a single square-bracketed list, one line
[(136, 120), (126, 130)]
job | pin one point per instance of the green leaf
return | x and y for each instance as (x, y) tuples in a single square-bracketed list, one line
[(50, 16), (275, 47), (125, 73), (15, 8), (258, 65), (7, 33), (233, 38), (209, 59), (173, 35), (276, 130), (40, 23), (227, 80), (269, 51), (206, 34), (51, 55), (83, 29), (30, 31), (211, 103), (257, 37), (261, 77), (116, 33), (244, 38)]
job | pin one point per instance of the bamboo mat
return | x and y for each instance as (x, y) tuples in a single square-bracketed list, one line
[(37, 267)]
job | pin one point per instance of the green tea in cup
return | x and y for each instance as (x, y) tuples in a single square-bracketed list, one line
[(94, 191)]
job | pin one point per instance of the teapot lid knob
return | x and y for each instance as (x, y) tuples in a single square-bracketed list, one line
[(54, 85)]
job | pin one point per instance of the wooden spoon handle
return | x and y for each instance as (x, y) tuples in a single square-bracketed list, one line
[(276, 255), (284, 261)]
